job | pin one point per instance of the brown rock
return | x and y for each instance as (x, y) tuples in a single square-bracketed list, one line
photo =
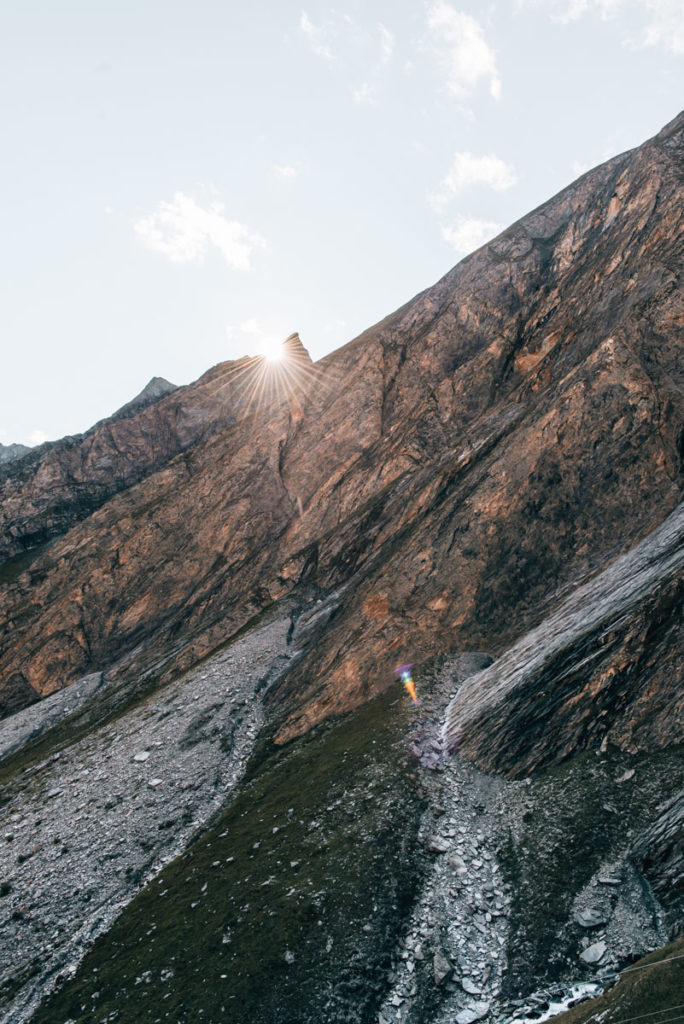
[(448, 475)]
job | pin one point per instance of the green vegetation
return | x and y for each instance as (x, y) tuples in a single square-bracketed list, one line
[(287, 908)]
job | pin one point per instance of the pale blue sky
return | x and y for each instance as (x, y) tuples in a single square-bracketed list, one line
[(182, 179)]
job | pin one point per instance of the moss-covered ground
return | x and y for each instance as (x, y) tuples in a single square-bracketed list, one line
[(287, 909)]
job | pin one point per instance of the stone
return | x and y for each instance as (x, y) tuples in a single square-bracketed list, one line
[(472, 1013), (470, 987), (442, 969), (437, 845), (457, 863), (142, 756), (590, 918), (594, 953)]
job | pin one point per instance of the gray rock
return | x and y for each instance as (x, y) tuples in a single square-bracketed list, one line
[(594, 953), (472, 1013), (437, 845), (590, 918), (470, 987), (458, 864), (442, 969), (142, 756)]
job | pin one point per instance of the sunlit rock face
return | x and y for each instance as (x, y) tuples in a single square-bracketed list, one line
[(439, 484)]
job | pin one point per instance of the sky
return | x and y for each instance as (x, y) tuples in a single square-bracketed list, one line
[(183, 182)]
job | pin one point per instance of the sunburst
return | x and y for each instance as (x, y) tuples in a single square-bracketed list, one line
[(281, 372)]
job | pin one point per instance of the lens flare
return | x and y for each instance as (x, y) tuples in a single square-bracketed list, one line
[(404, 673), (282, 372)]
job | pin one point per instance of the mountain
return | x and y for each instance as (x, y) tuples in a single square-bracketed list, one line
[(12, 451), (204, 599)]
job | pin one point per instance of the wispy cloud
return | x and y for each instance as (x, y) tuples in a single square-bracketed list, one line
[(37, 437), (469, 233), (386, 43), (462, 50), (316, 36), (362, 51), (183, 230), (664, 26), (285, 171), (366, 93), (662, 21), (467, 169)]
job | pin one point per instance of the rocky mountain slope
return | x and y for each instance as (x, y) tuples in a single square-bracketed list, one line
[(486, 484), (8, 452)]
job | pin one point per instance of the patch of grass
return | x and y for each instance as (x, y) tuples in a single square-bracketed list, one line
[(287, 909)]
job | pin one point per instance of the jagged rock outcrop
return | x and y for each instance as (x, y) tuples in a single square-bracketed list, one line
[(63, 482), (440, 483), (606, 667), (155, 389), (659, 855), (9, 452)]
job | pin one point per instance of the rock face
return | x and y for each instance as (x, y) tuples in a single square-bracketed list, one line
[(63, 482), (606, 667), (487, 484), (659, 855), (155, 389), (439, 484), (8, 452)]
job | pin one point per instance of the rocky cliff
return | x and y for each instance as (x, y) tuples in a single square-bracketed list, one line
[(206, 768), (441, 481)]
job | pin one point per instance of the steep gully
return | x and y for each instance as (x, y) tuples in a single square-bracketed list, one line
[(443, 483)]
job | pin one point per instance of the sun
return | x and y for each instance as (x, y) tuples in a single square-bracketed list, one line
[(273, 351)]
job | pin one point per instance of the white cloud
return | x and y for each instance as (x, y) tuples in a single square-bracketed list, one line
[(365, 93), (462, 50), (665, 26), (662, 21), (316, 37), (285, 171), (182, 230), (467, 169), (469, 233), (386, 43), (37, 437)]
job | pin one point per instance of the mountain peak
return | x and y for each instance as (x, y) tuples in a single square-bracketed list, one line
[(155, 389)]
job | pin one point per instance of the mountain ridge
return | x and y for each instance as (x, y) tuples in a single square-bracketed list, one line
[(217, 800)]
